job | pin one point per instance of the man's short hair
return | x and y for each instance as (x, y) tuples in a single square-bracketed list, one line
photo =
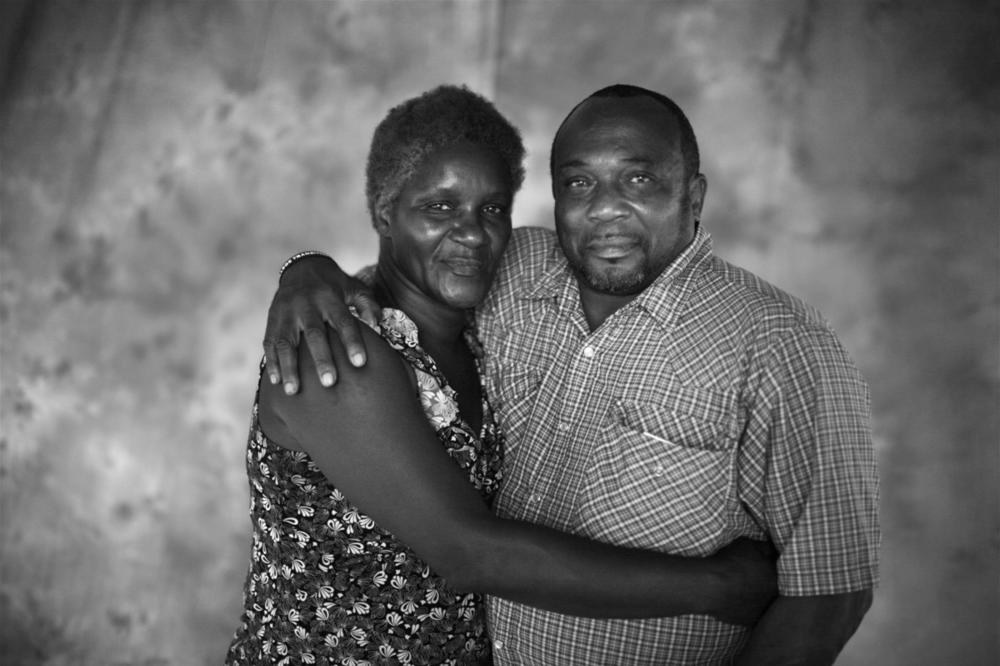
[(689, 143), (412, 131)]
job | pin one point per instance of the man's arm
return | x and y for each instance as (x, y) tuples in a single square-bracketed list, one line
[(805, 631), (313, 292), (821, 500)]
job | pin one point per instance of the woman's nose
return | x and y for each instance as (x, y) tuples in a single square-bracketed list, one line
[(469, 230)]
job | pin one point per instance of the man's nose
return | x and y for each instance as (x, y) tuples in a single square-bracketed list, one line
[(607, 203)]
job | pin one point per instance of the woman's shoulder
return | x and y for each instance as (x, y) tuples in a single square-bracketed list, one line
[(386, 373)]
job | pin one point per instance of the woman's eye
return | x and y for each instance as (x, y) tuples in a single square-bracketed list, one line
[(439, 206), (494, 209), (640, 178)]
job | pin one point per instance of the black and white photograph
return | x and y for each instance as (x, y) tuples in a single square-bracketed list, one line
[(499, 332)]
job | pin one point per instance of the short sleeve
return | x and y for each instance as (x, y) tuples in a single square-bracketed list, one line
[(811, 466)]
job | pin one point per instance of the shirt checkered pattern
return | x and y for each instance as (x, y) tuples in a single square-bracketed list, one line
[(712, 406)]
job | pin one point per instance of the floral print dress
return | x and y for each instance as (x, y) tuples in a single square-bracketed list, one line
[(326, 585)]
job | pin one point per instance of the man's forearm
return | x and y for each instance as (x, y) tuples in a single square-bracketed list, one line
[(805, 631)]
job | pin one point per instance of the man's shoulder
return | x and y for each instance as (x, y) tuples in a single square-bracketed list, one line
[(754, 298), (528, 254), (740, 310), (527, 243)]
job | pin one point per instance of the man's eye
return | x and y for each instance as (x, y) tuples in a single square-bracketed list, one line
[(575, 183), (439, 206), (640, 178)]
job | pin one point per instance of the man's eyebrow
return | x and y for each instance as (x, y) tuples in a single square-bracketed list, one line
[(571, 163), (638, 159)]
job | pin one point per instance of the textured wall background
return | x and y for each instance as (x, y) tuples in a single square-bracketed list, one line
[(160, 159)]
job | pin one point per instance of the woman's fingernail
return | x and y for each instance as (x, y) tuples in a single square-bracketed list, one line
[(357, 359), (289, 388), (326, 379)]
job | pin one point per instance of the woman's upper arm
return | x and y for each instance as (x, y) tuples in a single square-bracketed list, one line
[(370, 437)]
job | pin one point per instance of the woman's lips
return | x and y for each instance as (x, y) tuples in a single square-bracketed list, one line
[(465, 267)]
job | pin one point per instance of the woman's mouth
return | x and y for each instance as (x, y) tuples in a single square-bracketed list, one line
[(465, 267)]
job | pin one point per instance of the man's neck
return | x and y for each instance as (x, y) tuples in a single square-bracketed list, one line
[(598, 306)]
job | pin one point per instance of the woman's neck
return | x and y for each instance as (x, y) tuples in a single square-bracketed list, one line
[(439, 325)]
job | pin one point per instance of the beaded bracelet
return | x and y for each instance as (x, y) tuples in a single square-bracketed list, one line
[(301, 255)]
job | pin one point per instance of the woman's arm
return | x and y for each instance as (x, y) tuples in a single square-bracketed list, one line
[(372, 440)]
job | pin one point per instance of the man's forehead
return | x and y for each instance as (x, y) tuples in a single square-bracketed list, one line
[(637, 109), (639, 128)]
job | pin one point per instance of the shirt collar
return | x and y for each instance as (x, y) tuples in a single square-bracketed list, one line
[(660, 299)]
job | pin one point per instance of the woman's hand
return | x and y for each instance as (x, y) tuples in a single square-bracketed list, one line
[(751, 581), (314, 293)]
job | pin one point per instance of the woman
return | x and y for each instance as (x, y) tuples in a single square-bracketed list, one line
[(334, 580)]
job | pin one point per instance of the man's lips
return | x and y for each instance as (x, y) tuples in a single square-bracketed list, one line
[(615, 247)]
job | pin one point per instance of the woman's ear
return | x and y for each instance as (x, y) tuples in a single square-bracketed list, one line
[(381, 221)]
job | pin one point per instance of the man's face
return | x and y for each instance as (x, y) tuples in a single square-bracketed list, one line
[(624, 206)]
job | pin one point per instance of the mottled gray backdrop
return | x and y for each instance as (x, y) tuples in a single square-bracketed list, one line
[(160, 160)]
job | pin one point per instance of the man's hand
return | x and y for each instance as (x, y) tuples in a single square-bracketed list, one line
[(312, 294), (749, 568)]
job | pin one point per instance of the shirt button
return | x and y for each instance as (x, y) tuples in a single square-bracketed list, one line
[(589, 352), (534, 499), (658, 470), (498, 644), (563, 426)]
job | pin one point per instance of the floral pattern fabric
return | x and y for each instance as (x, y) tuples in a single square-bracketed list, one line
[(326, 585)]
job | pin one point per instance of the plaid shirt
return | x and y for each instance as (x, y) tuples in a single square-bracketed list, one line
[(712, 406)]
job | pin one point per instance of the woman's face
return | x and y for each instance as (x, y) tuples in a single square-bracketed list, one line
[(451, 223)]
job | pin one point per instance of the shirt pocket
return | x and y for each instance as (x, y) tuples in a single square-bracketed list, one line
[(660, 479)]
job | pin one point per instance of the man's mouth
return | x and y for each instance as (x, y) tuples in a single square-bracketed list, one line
[(615, 247)]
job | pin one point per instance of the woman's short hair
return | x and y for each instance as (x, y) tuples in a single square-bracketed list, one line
[(414, 130)]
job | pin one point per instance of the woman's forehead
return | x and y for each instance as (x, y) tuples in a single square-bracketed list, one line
[(460, 163)]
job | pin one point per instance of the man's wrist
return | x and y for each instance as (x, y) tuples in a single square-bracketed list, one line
[(304, 264)]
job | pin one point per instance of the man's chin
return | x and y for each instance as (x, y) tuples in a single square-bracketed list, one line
[(619, 281)]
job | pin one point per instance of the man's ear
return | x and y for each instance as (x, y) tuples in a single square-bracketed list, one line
[(697, 187)]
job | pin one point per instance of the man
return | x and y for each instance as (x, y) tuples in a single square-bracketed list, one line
[(655, 396)]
